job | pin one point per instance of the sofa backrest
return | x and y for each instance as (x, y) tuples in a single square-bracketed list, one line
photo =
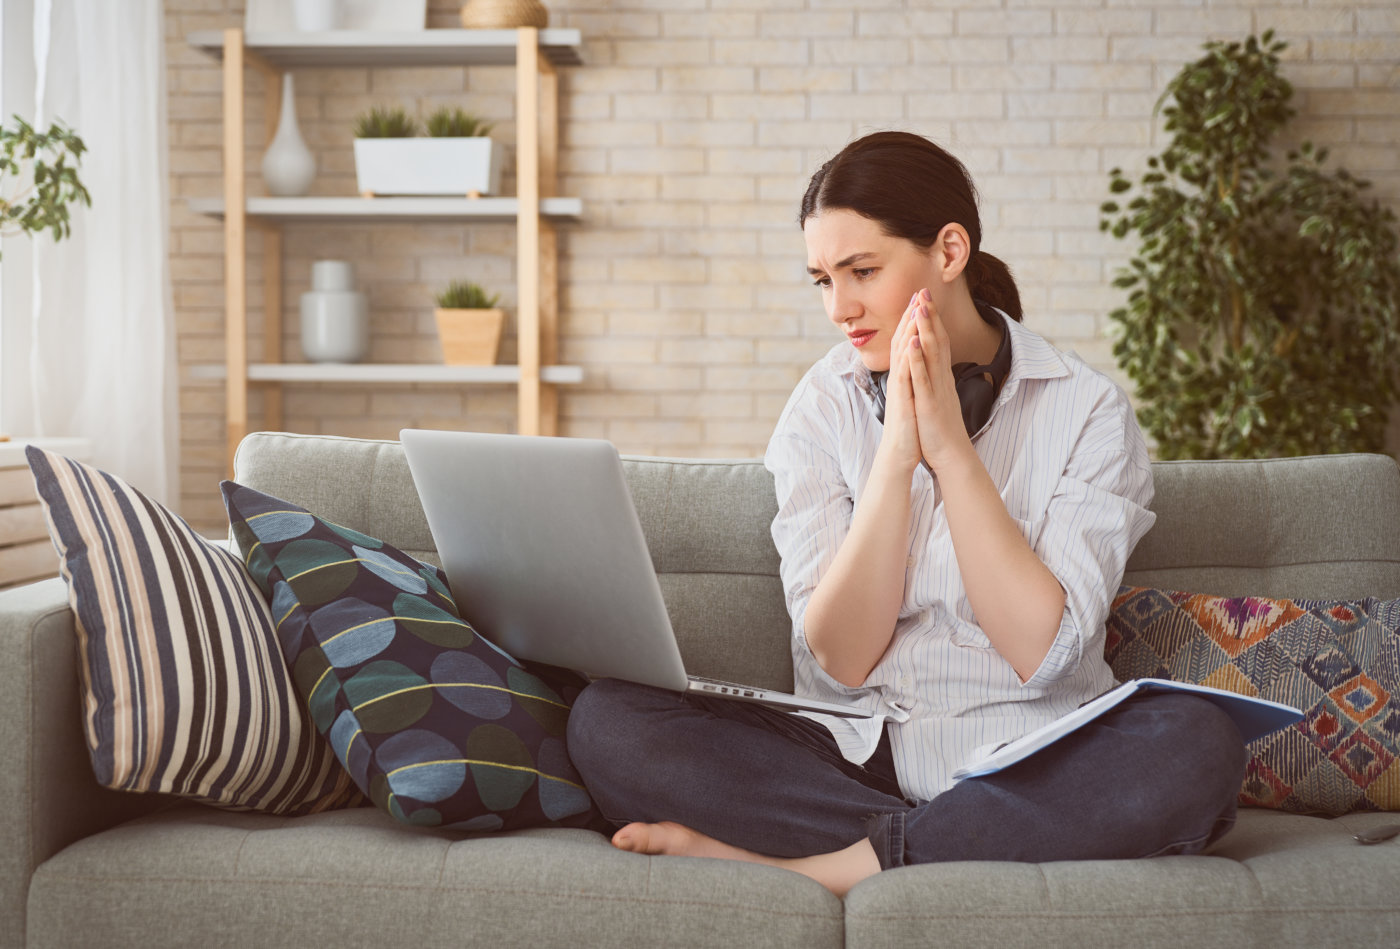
[(1308, 527)]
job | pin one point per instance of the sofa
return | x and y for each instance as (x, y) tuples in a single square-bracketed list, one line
[(84, 866)]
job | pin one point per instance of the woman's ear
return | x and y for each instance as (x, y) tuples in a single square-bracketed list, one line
[(952, 251)]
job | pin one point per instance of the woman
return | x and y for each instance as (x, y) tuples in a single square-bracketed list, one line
[(956, 503)]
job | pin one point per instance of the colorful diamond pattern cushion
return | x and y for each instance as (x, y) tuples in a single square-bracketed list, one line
[(436, 725), (184, 688), (1337, 660)]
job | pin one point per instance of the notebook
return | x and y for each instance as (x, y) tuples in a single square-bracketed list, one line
[(1255, 718), (546, 557)]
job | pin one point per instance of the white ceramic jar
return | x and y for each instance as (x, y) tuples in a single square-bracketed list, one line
[(334, 316)]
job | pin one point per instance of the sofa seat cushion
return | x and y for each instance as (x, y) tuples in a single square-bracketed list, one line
[(356, 877), (1275, 880)]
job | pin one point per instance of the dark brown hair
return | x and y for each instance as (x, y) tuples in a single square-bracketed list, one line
[(912, 189)]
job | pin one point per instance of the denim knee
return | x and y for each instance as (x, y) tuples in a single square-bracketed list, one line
[(1220, 756), (593, 724), (1216, 771)]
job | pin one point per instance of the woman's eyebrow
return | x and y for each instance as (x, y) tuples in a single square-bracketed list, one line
[(844, 262)]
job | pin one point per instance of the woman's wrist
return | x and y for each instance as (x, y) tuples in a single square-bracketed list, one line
[(956, 461), (892, 463)]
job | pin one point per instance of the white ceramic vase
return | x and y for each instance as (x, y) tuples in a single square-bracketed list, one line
[(288, 166), (314, 16), (334, 317)]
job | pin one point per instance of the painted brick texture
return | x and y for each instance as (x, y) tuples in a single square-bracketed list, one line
[(689, 133)]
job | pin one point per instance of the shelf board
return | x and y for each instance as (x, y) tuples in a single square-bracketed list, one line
[(405, 48), (388, 373), (351, 210)]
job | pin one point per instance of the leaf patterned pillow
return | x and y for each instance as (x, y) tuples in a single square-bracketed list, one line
[(435, 724)]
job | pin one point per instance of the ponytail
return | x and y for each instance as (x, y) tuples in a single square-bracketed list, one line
[(990, 280)]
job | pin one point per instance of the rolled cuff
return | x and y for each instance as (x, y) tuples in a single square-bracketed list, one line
[(886, 835), (1063, 654), (803, 654)]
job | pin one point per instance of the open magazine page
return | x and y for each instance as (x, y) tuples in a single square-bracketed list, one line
[(1253, 717)]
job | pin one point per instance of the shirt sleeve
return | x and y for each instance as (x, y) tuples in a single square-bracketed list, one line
[(1096, 515), (815, 505)]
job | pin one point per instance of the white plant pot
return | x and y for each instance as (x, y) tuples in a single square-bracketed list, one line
[(314, 16), (456, 166)]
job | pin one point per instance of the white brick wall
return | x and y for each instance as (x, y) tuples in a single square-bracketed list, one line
[(690, 133)]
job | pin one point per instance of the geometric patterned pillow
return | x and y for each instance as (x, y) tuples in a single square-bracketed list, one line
[(437, 726), (184, 689), (1337, 660)]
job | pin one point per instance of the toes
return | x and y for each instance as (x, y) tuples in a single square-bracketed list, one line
[(633, 838)]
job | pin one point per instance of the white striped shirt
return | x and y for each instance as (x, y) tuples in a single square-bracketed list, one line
[(1065, 452)]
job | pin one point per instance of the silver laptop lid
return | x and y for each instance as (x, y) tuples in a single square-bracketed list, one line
[(544, 552)]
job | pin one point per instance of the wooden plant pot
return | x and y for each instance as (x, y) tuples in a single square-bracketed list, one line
[(470, 337)]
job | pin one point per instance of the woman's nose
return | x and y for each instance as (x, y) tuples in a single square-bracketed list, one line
[(843, 306)]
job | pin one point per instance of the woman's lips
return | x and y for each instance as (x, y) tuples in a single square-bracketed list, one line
[(860, 337)]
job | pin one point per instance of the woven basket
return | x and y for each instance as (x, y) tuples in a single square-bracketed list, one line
[(503, 14)]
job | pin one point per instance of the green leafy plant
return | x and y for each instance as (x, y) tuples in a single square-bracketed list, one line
[(465, 295), (1264, 312), (453, 122), (37, 180), (386, 122)]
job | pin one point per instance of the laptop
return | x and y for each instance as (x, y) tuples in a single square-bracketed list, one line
[(546, 558)]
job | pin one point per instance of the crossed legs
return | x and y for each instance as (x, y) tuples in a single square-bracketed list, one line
[(716, 778)]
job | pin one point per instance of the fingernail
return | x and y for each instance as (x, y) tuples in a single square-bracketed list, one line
[(923, 294), (923, 311)]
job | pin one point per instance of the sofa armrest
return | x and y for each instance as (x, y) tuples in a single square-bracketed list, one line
[(46, 783)]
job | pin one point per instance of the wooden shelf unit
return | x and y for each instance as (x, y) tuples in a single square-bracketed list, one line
[(534, 210)]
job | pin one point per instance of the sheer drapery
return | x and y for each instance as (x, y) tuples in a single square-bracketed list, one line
[(101, 337)]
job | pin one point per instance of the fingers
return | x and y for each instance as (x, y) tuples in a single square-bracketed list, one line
[(919, 379), (933, 335), (903, 330)]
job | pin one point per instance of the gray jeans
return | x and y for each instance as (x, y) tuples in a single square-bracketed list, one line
[(1158, 774)]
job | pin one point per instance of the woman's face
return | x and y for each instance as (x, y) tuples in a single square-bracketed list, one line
[(867, 279)]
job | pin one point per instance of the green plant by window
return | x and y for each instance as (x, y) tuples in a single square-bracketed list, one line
[(37, 181), (1263, 317), (386, 122), (452, 122), (465, 295)]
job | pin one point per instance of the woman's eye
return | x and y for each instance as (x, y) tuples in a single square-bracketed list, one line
[(822, 282), (863, 272)]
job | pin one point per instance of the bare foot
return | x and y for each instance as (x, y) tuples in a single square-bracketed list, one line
[(837, 871)]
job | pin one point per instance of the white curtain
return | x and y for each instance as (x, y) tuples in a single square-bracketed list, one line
[(102, 359)]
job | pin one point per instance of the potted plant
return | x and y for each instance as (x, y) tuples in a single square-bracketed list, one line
[(1264, 312), (469, 324), (457, 157), (37, 183)]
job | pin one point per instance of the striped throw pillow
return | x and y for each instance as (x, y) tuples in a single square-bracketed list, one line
[(185, 691)]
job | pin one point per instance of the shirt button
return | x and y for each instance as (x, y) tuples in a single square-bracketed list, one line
[(905, 682), (909, 562)]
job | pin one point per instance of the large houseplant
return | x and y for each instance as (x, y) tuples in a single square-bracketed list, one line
[(1264, 312), (457, 157), (39, 178)]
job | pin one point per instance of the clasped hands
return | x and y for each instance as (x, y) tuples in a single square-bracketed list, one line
[(923, 418)]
